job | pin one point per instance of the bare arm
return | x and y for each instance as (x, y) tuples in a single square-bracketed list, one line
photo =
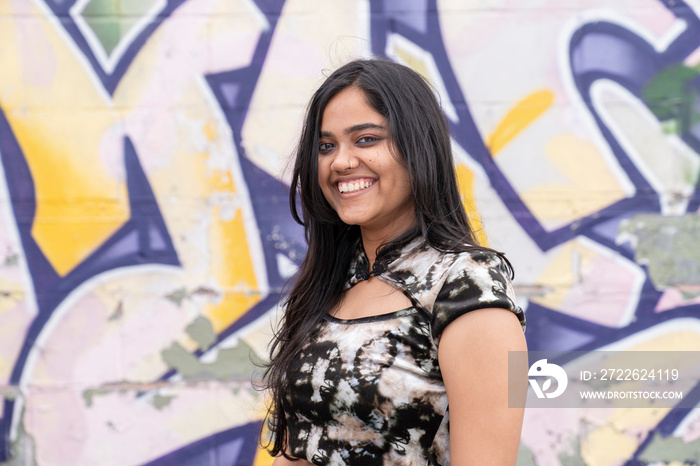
[(473, 356)]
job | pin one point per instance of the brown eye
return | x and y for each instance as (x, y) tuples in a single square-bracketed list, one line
[(325, 147), (364, 140)]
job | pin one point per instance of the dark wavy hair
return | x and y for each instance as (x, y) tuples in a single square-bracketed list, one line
[(420, 139)]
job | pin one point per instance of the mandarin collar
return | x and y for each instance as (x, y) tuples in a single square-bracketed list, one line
[(359, 268)]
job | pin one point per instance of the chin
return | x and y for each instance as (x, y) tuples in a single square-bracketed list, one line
[(351, 219)]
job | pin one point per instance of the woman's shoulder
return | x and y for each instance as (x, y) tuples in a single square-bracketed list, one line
[(420, 258), (422, 270), (436, 277)]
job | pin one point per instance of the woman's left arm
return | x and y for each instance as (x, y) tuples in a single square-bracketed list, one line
[(473, 357)]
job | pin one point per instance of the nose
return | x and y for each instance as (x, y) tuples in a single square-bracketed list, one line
[(344, 160)]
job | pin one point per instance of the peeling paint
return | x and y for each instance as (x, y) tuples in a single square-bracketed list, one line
[(667, 449), (230, 364), (10, 393), (158, 401), (181, 294), (525, 456), (23, 448), (161, 401), (150, 174), (204, 291), (571, 456), (177, 296), (202, 331), (672, 99), (118, 312), (668, 247), (89, 394), (11, 259)]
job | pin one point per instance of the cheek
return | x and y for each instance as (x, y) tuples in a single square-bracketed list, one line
[(322, 173), (327, 193), (322, 178), (401, 178)]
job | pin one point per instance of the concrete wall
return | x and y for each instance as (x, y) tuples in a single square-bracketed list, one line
[(145, 234)]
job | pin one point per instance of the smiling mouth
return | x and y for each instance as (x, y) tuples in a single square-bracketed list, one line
[(352, 186)]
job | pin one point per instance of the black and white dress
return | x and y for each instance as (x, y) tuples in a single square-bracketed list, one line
[(369, 391)]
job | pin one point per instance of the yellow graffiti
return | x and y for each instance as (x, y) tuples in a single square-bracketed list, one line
[(607, 445), (611, 442), (81, 199), (262, 456), (518, 118), (226, 254), (465, 176), (78, 203), (586, 183), (233, 267), (414, 62), (465, 179), (560, 273)]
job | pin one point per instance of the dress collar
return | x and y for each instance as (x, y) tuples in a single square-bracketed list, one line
[(359, 267)]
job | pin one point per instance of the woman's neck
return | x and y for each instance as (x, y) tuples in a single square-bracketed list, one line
[(371, 242), (370, 246), (376, 233)]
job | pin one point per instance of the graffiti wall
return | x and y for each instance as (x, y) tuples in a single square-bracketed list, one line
[(145, 238)]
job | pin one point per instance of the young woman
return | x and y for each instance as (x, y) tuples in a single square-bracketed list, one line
[(394, 344)]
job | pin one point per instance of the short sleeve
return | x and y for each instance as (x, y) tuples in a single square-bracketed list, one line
[(476, 280)]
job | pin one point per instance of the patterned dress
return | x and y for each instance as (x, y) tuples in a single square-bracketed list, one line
[(369, 391)]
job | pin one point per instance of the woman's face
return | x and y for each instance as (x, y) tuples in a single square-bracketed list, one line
[(359, 176)]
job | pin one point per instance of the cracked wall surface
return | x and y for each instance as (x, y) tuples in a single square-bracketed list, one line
[(146, 241)]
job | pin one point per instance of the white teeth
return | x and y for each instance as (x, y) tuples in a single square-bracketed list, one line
[(352, 187)]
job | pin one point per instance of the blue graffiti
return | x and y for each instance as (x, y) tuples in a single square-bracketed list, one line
[(143, 239), (234, 447), (597, 51), (109, 78)]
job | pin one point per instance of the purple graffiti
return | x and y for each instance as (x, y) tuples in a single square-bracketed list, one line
[(597, 51)]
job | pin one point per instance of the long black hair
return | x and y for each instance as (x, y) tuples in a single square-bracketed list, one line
[(420, 139)]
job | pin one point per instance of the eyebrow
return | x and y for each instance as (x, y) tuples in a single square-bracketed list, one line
[(354, 128)]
